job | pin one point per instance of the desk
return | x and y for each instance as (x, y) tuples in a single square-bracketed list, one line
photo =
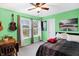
[(9, 41), (8, 45)]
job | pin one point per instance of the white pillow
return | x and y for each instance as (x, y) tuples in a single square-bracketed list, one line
[(58, 36), (64, 36), (74, 38), (61, 36)]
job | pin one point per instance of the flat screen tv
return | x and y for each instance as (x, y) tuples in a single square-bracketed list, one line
[(69, 24)]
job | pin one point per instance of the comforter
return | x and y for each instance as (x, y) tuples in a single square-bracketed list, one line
[(61, 48)]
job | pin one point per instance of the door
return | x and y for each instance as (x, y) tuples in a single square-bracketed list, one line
[(25, 31), (36, 30), (51, 28), (29, 31)]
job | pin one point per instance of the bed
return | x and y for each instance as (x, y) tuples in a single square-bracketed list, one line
[(62, 47)]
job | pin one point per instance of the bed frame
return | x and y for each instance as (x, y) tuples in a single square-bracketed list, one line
[(68, 33)]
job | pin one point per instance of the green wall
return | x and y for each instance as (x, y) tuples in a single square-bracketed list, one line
[(67, 15), (61, 16), (5, 18)]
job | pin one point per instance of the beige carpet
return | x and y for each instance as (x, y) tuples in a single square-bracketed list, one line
[(30, 50)]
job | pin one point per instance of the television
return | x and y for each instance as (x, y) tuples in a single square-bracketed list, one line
[(69, 24)]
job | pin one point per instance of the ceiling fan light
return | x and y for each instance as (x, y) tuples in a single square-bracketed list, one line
[(38, 9)]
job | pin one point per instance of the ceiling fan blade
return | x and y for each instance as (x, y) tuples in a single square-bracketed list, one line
[(43, 4), (40, 4), (33, 4), (31, 9), (44, 8)]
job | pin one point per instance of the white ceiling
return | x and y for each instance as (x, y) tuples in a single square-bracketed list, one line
[(53, 8)]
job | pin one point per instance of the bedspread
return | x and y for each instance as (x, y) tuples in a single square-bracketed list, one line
[(61, 48)]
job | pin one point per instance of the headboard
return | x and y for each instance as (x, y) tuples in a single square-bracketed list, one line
[(68, 33)]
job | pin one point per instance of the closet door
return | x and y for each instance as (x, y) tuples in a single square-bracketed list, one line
[(51, 28), (25, 31)]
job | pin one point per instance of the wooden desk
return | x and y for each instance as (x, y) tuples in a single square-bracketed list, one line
[(7, 43)]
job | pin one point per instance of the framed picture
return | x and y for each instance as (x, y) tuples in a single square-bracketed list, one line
[(69, 25)]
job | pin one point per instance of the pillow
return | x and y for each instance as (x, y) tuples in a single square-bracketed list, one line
[(52, 40), (61, 36), (74, 38), (58, 36), (64, 36)]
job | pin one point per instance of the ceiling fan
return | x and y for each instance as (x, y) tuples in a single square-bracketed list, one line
[(38, 5)]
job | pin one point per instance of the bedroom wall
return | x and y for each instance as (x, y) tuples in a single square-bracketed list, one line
[(61, 16), (64, 16), (5, 18)]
